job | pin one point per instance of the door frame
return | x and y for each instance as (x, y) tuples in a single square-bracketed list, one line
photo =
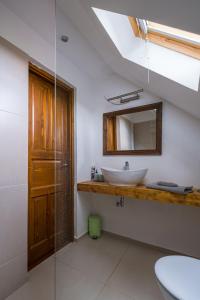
[(71, 92)]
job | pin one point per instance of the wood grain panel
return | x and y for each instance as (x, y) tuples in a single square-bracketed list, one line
[(42, 94), (50, 167), (111, 133), (39, 244), (164, 40), (140, 193), (44, 172)]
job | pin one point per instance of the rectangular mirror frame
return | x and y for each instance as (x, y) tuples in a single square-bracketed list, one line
[(156, 151)]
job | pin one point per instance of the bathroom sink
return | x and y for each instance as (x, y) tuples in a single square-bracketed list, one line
[(123, 177)]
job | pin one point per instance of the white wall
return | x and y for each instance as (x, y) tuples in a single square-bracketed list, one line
[(172, 226), (14, 169)]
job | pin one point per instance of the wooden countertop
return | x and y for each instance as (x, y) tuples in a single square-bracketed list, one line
[(139, 192)]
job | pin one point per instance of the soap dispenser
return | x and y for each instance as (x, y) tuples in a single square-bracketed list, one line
[(93, 171)]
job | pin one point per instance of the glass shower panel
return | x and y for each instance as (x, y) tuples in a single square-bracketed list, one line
[(64, 153), (27, 177)]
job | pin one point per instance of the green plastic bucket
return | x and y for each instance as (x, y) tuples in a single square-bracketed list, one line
[(94, 226)]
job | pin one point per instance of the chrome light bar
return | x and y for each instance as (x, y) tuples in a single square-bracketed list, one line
[(125, 98)]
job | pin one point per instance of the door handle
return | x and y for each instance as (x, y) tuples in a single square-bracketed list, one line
[(65, 165)]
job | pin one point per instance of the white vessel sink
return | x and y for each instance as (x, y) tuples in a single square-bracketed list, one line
[(123, 177)]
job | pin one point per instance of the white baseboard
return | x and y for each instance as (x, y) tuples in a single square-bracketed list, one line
[(76, 237)]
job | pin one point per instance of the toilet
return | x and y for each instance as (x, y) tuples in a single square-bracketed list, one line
[(178, 277)]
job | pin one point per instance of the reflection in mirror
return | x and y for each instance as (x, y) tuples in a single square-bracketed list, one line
[(136, 131), (133, 131)]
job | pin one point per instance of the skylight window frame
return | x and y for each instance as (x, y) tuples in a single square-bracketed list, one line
[(163, 39), (173, 32)]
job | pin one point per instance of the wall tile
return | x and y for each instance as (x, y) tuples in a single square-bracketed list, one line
[(12, 275), (14, 149), (13, 222), (13, 81)]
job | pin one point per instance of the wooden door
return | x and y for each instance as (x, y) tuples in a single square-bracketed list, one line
[(64, 177), (50, 168)]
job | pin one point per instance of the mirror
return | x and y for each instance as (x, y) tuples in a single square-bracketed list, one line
[(134, 131)]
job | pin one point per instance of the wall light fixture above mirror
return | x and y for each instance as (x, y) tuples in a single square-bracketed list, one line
[(133, 131)]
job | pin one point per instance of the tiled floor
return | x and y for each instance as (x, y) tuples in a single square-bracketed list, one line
[(110, 268)]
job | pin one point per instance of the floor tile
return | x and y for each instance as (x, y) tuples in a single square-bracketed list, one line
[(109, 243), (139, 254), (21, 294), (112, 294), (106, 269), (42, 281), (71, 284), (91, 261), (66, 277), (136, 281)]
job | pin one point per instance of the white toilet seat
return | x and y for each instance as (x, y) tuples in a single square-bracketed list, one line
[(180, 276)]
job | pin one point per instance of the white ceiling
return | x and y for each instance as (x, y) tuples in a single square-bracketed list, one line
[(165, 12), (182, 14), (38, 14)]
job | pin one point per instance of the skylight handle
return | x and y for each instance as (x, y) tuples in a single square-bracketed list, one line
[(143, 25)]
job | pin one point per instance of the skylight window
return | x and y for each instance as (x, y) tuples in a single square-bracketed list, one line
[(175, 39), (172, 58)]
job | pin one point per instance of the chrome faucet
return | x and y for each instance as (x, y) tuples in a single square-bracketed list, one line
[(126, 165)]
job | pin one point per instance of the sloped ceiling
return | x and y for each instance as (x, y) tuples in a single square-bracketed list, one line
[(182, 14), (178, 13)]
